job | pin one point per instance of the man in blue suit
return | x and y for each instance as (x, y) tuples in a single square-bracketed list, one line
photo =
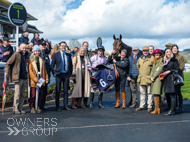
[(62, 72)]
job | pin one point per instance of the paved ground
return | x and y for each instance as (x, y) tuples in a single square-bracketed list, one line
[(84, 125)]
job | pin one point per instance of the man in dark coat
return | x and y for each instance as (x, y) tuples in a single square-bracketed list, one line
[(62, 72), (7, 48), (24, 38)]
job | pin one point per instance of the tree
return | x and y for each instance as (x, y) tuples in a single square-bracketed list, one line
[(74, 43)]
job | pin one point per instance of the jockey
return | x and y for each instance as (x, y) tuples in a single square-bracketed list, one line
[(95, 60)]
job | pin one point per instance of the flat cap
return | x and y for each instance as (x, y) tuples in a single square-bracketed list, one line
[(169, 44), (145, 48), (135, 48)]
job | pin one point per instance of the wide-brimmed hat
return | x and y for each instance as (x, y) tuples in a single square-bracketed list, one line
[(157, 51)]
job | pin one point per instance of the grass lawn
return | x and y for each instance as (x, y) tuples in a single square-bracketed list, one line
[(185, 90)]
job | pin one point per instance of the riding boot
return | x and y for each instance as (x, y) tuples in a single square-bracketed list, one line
[(180, 110), (123, 95), (117, 95), (156, 105), (168, 102), (79, 104), (91, 100), (173, 105), (100, 100), (73, 103)]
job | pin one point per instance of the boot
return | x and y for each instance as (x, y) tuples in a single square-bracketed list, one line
[(32, 111), (173, 106), (134, 105), (156, 103), (180, 110), (85, 100), (168, 102), (73, 103), (123, 95), (79, 103), (160, 104), (117, 95), (91, 100), (100, 100), (39, 110)]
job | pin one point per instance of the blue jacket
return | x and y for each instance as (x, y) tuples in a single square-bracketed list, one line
[(24, 40), (133, 71), (57, 61)]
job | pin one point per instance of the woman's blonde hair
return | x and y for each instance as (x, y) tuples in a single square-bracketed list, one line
[(165, 57), (54, 50), (33, 57)]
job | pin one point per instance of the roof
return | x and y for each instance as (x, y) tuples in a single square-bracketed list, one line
[(4, 5)]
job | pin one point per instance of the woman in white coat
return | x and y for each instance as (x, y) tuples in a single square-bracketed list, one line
[(82, 76)]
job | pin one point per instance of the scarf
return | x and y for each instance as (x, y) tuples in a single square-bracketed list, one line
[(156, 59), (166, 62)]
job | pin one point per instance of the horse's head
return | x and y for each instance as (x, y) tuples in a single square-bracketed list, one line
[(117, 43)]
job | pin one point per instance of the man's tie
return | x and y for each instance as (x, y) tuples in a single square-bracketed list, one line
[(135, 59), (64, 61)]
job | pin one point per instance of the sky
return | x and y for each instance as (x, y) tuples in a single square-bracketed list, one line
[(140, 22)]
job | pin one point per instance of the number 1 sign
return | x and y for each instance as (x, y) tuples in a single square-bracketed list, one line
[(17, 14)]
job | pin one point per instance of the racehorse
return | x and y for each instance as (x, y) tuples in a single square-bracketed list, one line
[(118, 45)]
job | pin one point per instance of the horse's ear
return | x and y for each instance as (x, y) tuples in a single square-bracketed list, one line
[(120, 37), (114, 37)]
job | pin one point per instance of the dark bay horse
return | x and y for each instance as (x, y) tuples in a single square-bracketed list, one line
[(118, 45)]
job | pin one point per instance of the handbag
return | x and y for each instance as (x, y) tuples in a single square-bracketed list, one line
[(178, 80)]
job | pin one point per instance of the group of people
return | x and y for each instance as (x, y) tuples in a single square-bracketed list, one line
[(27, 64), (145, 72), (141, 71)]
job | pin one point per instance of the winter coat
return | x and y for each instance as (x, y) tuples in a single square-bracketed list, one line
[(181, 62), (13, 65), (32, 68), (133, 71), (173, 66), (145, 67), (77, 92), (5, 49), (24, 39), (121, 65), (156, 86)]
